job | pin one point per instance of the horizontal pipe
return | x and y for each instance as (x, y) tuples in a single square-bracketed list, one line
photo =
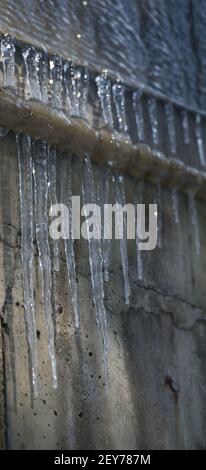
[(74, 135)]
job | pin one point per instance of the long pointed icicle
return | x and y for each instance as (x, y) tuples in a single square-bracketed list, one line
[(185, 126), (57, 80), (104, 93), (32, 63), (8, 57), (104, 180), (121, 201), (140, 271), (194, 222), (53, 197), (77, 81), (82, 79), (119, 101), (41, 206), (96, 262), (44, 77), (152, 109), (169, 109), (199, 139), (27, 252), (66, 197), (139, 117)]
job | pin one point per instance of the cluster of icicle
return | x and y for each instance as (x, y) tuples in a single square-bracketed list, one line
[(64, 85), (38, 191), (37, 181)]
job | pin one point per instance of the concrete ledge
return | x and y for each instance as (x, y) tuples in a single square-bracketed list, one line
[(74, 135)]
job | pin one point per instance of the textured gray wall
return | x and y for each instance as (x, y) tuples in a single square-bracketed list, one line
[(159, 44), (156, 397)]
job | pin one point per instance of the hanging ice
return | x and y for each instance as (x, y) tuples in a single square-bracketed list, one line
[(119, 101), (138, 200), (104, 93), (82, 87), (139, 117), (121, 201), (31, 61), (194, 222), (44, 77), (27, 253), (169, 109), (41, 206), (96, 262), (159, 215), (53, 197), (77, 82), (199, 139), (175, 205), (185, 126), (56, 72), (106, 242), (8, 58), (66, 197), (152, 109), (104, 180)]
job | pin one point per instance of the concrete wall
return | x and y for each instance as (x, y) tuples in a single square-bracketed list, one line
[(156, 397)]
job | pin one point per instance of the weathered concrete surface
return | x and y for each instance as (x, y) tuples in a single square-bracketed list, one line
[(157, 357)]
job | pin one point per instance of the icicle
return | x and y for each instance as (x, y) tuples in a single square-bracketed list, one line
[(175, 205), (119, 101), (140, 272), (106, 242), (57, 80), (95, 260), (83, 86), (152, 109), (53, 197), (199, 139), (171, 127), (44, 78), (121, 201), (194, 221), (66, 196), (137, 106), (185, 126), (27, 252), (159, 215), (104, 88), (104, 179), (32, 60), (8, 57), (77, 82), (41, 204)]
